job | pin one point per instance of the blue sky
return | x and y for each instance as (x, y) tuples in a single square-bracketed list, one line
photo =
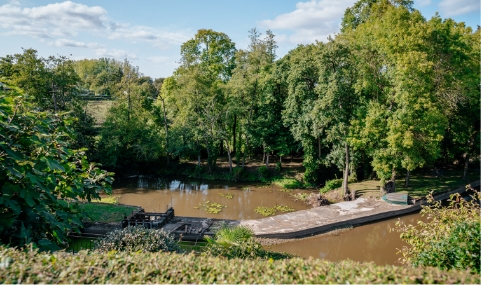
[(150, 33)]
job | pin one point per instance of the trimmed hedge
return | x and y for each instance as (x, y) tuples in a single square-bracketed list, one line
[(121, 267)]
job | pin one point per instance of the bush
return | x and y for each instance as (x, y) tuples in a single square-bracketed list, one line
[(238, 242), (132, 239), (262, 172), (451, 238), (20, 266), (460, 249), (331, 185), (39, 170)]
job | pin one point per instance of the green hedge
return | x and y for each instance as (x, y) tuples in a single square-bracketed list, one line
[(122, 267)]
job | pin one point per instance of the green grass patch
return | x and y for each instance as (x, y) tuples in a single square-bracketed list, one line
[(106, 213), (87, 267), (288, 183), (420, 184)]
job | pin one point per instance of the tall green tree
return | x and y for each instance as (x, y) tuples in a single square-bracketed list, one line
[(206, 65)]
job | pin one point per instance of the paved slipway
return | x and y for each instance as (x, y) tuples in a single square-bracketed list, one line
[(322, 219)]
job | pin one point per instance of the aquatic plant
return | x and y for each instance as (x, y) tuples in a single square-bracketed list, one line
[(227, 195), (212, 208), (267, 211)]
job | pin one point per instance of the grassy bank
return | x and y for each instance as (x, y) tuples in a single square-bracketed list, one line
[(116, 267), (106, 213), (106, 210), (420, 184)]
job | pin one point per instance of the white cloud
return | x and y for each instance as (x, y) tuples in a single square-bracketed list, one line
[(53, 20), (313, 20), (115, 53), (156, 37), (67, 19), (70, 43), (458, 7)]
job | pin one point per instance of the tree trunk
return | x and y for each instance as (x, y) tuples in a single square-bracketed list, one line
[(319, 147), (167, 132), (229, 155), (234, 137), (406, 183), (346, 172), (466, 166), (267, 159), (198, 160), (263, 156), (393, 178), (209, 159)]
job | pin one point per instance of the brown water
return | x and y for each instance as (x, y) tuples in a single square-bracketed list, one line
[(156, 194), (366, 243)]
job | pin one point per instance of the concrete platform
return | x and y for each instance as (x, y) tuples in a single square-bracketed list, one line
[(326, 218)]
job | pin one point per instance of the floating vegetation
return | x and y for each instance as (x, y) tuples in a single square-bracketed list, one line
[(227, 195), (246, 189), (267, 211), (301, 196), (212, 208), (284, 209), (285, 190)]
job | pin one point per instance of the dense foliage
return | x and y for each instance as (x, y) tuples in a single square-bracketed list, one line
[(392, 93), (239, 242), (135, 239), (451, 237), (123, 267), (38, 171)]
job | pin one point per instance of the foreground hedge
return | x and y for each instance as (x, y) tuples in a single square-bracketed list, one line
[(93, 267)]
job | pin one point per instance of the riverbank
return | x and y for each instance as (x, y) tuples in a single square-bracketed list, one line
[(326, 218)]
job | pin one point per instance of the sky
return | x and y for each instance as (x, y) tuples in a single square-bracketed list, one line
[(149, 33)]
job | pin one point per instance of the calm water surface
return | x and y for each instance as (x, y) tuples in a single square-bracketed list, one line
[(366, 243), (371, 242), (156, 194)]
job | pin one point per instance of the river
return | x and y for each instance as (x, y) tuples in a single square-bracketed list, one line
[(367, 243)]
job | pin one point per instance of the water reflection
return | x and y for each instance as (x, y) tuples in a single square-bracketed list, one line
[(156, 194)]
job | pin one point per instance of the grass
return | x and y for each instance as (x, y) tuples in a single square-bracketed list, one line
[(106, 213), (420, 184), (99, 110), (288, 183)]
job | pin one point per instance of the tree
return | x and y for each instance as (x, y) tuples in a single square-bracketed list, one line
[(336, 104), (302, 75), (130, 135), (40, 173), (403, 123), (206, 65)]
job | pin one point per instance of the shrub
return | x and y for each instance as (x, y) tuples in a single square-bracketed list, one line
[(331, 185), (262, 172), (132, 239), (39, 170), (85, 267), (460, 249), (451, 238), (238, 242)]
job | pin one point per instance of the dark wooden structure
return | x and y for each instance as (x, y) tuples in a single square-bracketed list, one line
[(149, 220)]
